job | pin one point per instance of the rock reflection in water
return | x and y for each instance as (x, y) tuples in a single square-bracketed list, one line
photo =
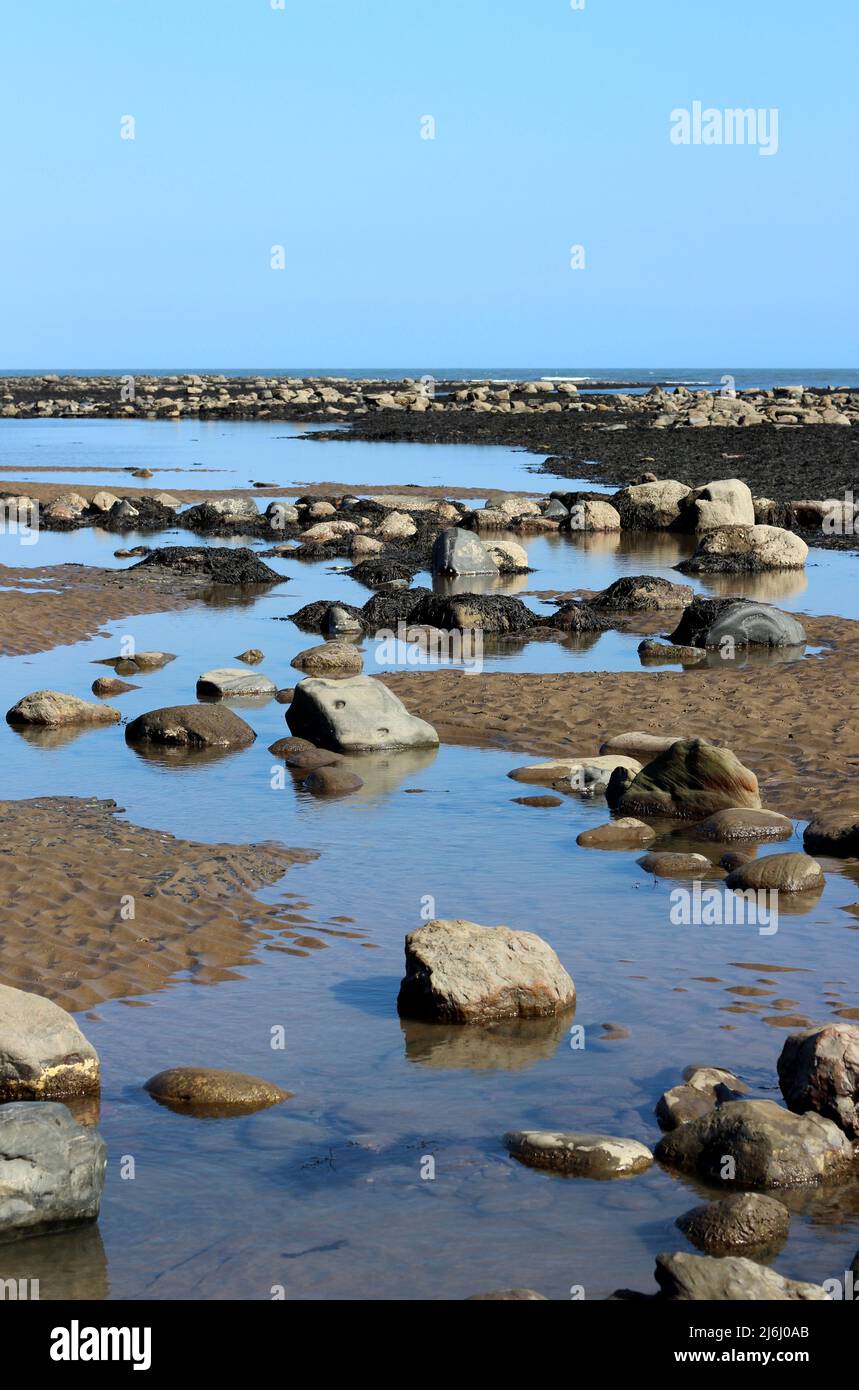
[(511, 1045)]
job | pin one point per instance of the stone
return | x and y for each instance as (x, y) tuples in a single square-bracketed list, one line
[(509, 556), (342, 622), (690, 780), (220, 564), (191, 726), (740, 622), (834, 832), (747, 1220), (746, 550), (650, 506), (235, 509), (771, 1147), (103, 501), (793, 872), (397, 526), (539, 801), (253, 656), (461, 972), (744, 824), (329, 658), (593, 515), (624, 833), (43, 1053), (702, 1089), (459, 552), (331, 780), (653, 652), (586, 775), (361, 547), (704, 1278), (51, 709), (358, 715), (665, 865), (727, 502), (105, 686), (819, 1070), (51, 1169), (291, 747), (641, 593), (579, 1155), (212, 1091), (576, 618), (233, 682), (638, 745)]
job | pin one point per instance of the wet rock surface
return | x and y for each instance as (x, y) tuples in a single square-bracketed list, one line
[(51, 1169)]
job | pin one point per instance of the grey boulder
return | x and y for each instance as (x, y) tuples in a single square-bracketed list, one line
[(43, 1053), (51, 1169), (716, 622), (461, 552), (356, 715), (769, 1146), (819, 1070)]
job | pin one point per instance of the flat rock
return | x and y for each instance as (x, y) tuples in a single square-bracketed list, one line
[(356, 715), (508, 1296), (233, 682), (819, 1070), (793, 872), (624, 833), (51, 709), (771, 1147), (579, 1155), (539, 801), (666, 865), (329, 658), (191, 726), (641, 593), (51, 1169), (43, 1053), (704, 1278), (702, 1089), (636, 744), (461, 972), (739, 823), (746, 1220), (213, 1091), (575, 774)]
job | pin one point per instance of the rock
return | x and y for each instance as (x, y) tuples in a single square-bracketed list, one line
[(292, 747), (124, 512), (834, 832), (141, 661), (234, 565), (51, 1169), (233, 682), (332, 781), (717, 622), (728, 502), (742, 824), (771, 1147), (703, 1278), (793, 872), (641, 593), (589, 776), (509, 556), (397, 526), (43, 1053), (576, 618), (460, 972), (690, 779), (819, 1070), (355, 716), (746, 550), (361, 547), (747, 1220), (315, 617), (342, 622), (545, 801), (650, 506), (191, 726), (105, 686), (328, 658), (702, 1089), (461, 552), (309, 759), (624, 833), (253, 656), (211, 1091), (594, 516), (508, 1295), (50, 709), (652, 652), (644, 747), (665, 865), (286, 695), (490, 613), (235, 509), (579, 1155), (103, 501)]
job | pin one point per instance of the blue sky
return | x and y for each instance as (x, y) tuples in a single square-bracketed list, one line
[(301, 127)]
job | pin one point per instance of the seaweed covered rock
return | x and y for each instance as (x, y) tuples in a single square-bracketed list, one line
[(746, 550), (713, 622), (316, 616), (576, 617), (221, 564), (641, 593), (492, 613)]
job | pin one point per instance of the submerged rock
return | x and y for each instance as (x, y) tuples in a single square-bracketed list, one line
[(356, 715), (575, 617), (51, 1169), (579, 1155), (191, 726), (212, 1091), (770, 1147), (819, 1070), (747, 1220), (51, 710), (652, 652), (461, 972), (105, 686), (508, 1296), (331, 780), (834, 832), (43, 1053), (690, 780), (667, 865), (232, 682)]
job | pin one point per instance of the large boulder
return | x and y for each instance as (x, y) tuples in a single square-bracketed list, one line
[(356, 715), (746, 550), (745, 1221), (691, 780), (769, 1146), (819, 1070), (594, 515), (461, 972), (641, 593), (834, 832), (51, 1169), (191, 726), (738, 622), (704, 1278), (650, 506), (727, 502), (233, 682), (51, 710), (43, 1053), (781, 873), (461, 552), (579, 1155)]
